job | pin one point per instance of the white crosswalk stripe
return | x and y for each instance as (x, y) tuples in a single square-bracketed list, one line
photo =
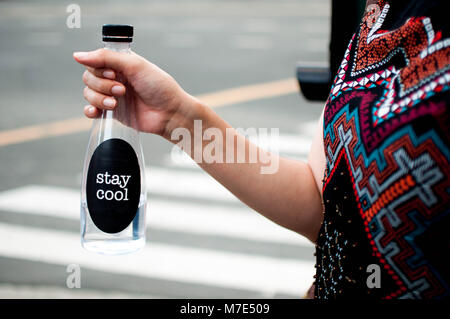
[(199, 185), (200, 206), (161, 214), (192, 265)]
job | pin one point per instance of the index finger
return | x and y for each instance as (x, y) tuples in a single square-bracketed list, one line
[(103, 58)]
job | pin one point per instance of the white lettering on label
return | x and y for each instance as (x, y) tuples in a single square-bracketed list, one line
[(119, 180)]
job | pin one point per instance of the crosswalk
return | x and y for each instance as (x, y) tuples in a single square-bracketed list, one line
[(201, 240)]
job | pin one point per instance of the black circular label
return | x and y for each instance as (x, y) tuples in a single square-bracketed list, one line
[(113, 185)]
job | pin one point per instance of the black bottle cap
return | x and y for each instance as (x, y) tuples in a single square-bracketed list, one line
[(117, 33)]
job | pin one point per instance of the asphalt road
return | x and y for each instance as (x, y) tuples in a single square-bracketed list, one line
[(201, 241)]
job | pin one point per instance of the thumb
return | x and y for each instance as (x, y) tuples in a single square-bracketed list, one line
[(103, 58)]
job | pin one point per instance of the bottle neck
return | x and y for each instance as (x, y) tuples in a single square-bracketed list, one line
[(118, 46)]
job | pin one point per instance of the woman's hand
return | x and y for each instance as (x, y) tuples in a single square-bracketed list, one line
[(159, 102)]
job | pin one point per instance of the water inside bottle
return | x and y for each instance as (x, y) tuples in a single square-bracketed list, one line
[(131, 239)]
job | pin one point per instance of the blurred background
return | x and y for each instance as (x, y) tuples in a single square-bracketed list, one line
[(240, 57)]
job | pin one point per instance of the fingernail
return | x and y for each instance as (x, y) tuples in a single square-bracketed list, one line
[(117, 90), (80, 55), (109, 74), (109, 102), (91, 109)]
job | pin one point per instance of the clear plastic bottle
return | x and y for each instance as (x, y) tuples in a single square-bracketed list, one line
[(113, 194)]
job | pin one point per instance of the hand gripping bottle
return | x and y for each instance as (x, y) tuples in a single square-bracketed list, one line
[(113, 194)]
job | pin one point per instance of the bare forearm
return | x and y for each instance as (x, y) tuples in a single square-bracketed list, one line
[(288, 195)]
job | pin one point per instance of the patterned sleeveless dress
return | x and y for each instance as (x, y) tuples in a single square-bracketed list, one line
[(386, 193)]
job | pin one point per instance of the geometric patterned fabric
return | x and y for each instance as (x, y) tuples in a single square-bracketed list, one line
[(386, 192)]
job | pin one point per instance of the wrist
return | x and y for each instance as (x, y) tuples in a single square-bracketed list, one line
[(189, 110)]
